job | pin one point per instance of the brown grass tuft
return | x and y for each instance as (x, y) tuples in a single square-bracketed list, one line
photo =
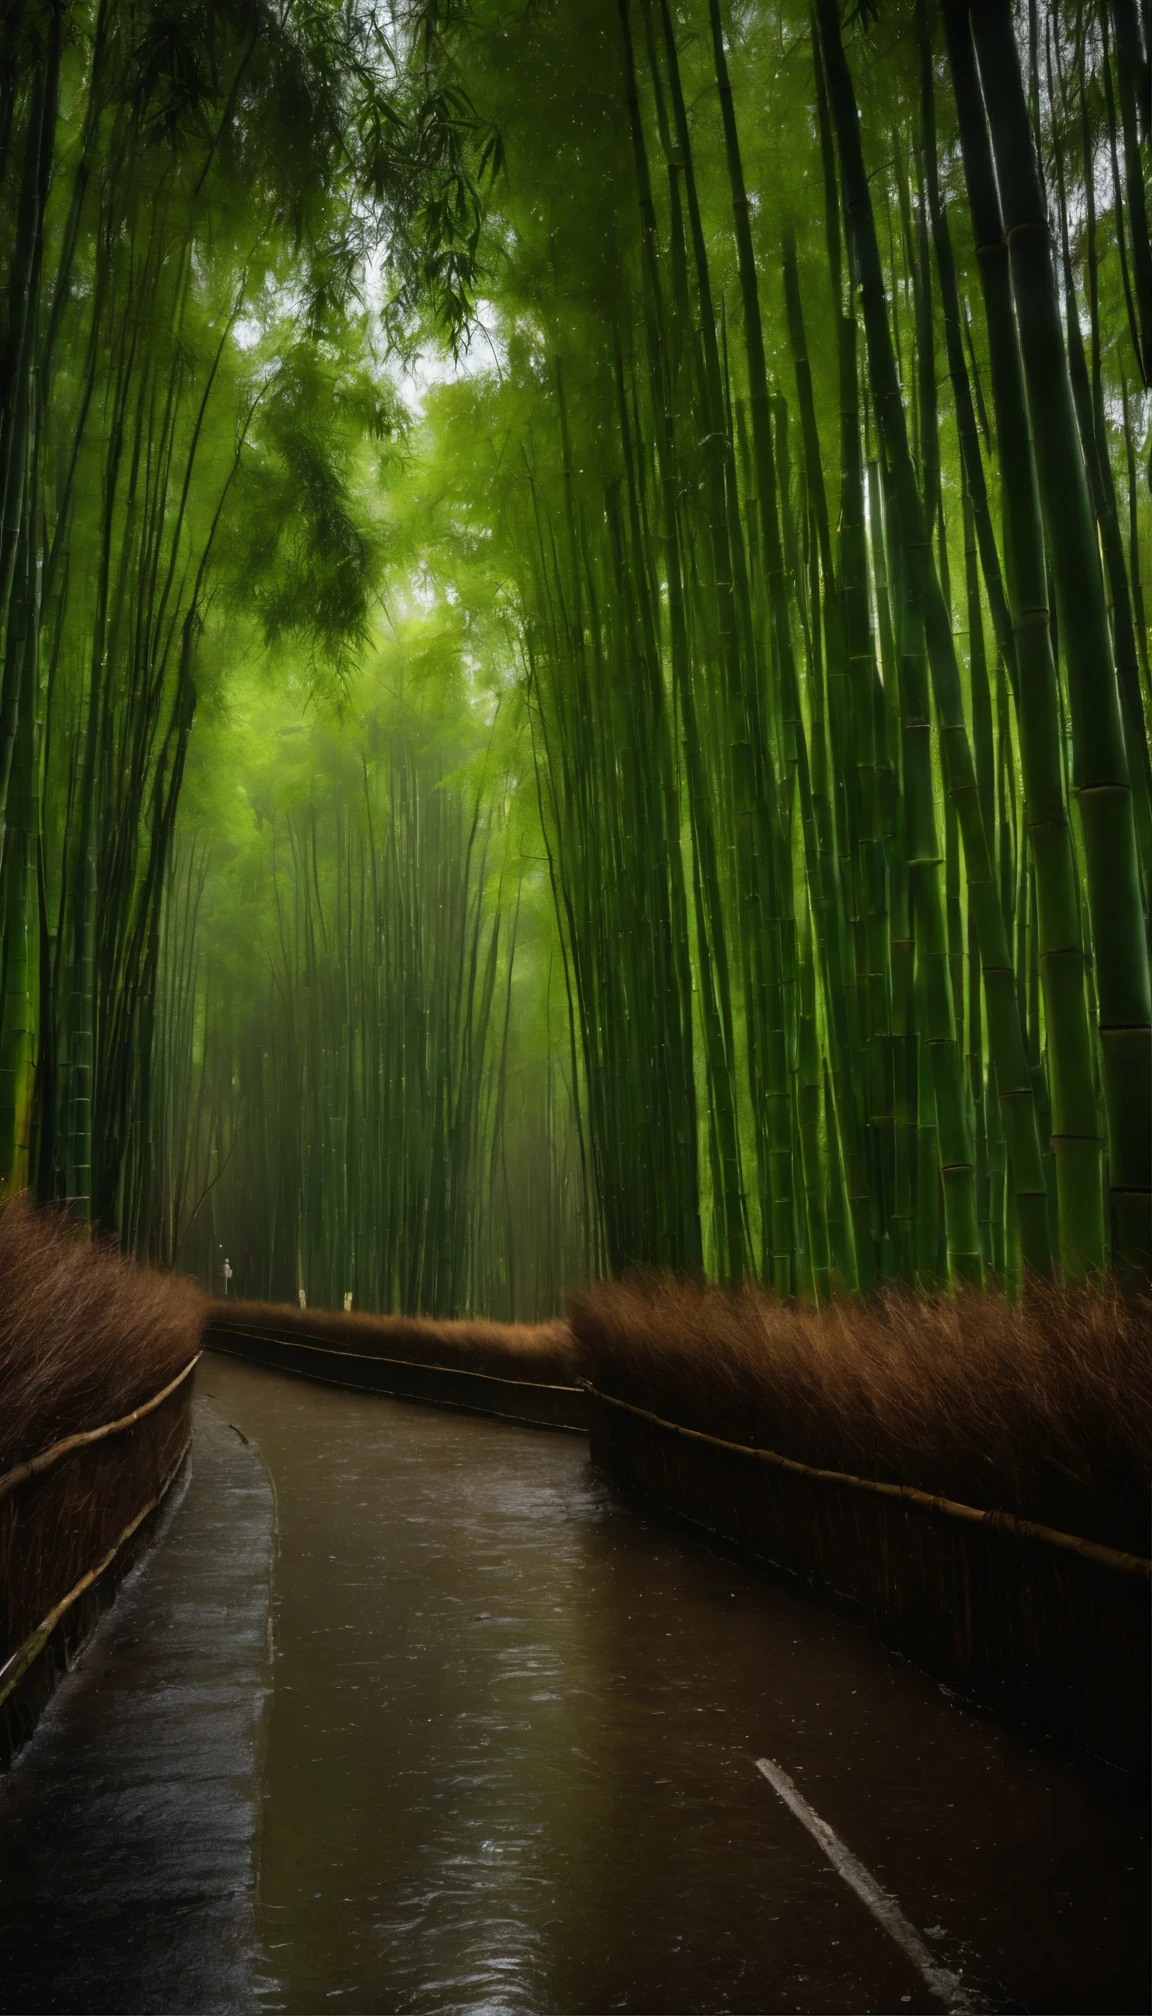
[(84, 1335), (537, 1351), (1044, 1411)]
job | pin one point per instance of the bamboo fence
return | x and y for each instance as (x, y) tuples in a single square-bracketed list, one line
[(72, 1520), (470, 1369), (1044, 1628)]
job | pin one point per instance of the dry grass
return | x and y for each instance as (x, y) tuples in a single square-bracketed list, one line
[(58, 1526), (537, 1351), (84, 1335), (1044, 1411)]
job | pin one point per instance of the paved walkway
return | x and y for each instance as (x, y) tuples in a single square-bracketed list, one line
[(509, 1765), (129, 1824)]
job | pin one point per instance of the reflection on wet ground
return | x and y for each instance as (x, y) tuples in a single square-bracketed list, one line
[(129, 1825), (511, 1759), (509, 1764)]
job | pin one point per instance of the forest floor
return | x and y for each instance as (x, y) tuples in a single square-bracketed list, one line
[(509, 1763)]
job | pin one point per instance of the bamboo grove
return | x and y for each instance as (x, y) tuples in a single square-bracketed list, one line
[(351, 1097), (760, 886), (830, 557), (186, 196)]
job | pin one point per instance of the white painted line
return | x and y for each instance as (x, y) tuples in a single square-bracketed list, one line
[(883, 1907)]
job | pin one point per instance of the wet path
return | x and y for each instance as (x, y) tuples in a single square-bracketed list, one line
[(511, 1759), (128, 1826), (509, 1764)]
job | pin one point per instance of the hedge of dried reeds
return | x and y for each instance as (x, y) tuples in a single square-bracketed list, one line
[(84, 1335), (85, 1339), (62, 1523), (1044, 1411), (540, 1352)]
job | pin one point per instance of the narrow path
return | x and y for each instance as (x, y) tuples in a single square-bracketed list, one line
[(128, 1824), (512, 1759), (510, 1763)]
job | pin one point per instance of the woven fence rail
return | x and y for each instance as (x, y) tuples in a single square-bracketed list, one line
[(72, 1520), (1048, 1630), (529, 1402)]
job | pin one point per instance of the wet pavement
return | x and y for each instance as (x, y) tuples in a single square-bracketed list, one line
[(128, 1825), (510, 1764)]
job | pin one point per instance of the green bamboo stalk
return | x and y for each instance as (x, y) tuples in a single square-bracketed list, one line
[(711, 953), (1132, 72), (1013, 1081), (20, 912), (1088, 399), (760, 851), (1100, 764)]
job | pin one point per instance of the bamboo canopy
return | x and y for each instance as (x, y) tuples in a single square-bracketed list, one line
[(576, 677)]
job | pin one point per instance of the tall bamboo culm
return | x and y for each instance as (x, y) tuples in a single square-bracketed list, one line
[(821, 765)]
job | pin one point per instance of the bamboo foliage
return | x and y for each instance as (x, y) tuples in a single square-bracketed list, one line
[(800, 530), (363, 1117), (830, 736), (174, 185)]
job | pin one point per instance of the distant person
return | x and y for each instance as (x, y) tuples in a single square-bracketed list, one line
[(303, 1298), (347, 1300), (226, 1274)]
